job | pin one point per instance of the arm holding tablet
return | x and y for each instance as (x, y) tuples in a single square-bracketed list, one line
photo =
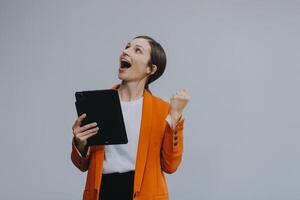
[(80, 150), (81, 134)]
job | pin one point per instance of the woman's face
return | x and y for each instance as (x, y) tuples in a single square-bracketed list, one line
[(134, 60)]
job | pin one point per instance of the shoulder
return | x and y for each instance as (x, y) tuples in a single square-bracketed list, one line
[(160, 103)]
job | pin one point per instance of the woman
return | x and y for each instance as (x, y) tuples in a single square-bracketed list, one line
[(154, 130)]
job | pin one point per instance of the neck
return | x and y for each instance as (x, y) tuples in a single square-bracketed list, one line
[(130, 91)]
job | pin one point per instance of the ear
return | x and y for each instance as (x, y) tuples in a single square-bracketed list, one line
[(152, 69)]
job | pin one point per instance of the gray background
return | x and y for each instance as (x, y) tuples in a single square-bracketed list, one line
[(238, 60)]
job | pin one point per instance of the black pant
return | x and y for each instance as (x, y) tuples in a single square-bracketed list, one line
[(117, 186)]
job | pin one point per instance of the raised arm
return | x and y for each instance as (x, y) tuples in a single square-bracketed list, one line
[(172, 145)]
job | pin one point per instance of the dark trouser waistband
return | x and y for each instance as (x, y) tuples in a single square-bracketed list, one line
[(117, 186)]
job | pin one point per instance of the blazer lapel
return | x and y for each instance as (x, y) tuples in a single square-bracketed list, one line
[(144, 138)]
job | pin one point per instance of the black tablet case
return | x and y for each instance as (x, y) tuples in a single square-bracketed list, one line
[(103, 107)]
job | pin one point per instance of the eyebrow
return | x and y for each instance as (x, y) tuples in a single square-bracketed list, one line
[(136, 45)]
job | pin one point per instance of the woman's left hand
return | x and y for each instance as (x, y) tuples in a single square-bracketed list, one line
[(178, 103)]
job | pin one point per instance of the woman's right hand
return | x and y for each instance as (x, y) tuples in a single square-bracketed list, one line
[(81, 134)]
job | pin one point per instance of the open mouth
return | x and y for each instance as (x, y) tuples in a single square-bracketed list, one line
[(125, 64)]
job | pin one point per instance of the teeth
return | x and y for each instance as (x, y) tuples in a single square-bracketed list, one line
[(125, 63), (123, 59)]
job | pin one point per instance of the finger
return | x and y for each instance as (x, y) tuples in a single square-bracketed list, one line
[(183, 95), (172, 99), (79, 130), (75, 132), (82, 135), (89, 131), (184, 98), (89, 135), (179, 96), (183, 92), (78, 121), (88, 126)]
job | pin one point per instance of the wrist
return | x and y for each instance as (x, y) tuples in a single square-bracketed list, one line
[(80, 146), (82, 150), (176, 116)]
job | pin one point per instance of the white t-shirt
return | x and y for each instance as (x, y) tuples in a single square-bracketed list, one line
[(121, 158)]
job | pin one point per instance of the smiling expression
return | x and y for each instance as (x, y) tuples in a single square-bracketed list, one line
[(134, 60)]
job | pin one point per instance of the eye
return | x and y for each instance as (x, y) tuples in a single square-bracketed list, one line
[(138, 50)]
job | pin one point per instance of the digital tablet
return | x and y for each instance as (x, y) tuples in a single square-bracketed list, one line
[(103, 107)]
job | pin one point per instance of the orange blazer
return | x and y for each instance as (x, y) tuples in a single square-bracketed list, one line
[(160, 150)]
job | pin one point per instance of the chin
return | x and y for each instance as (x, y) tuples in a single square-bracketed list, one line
[(121, 77)]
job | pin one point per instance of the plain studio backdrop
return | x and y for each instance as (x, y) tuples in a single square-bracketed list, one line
[(238, 61)]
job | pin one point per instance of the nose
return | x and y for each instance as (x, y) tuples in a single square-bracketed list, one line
[(125, 52)]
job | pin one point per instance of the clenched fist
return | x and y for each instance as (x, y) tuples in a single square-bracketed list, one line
[(178, 103)]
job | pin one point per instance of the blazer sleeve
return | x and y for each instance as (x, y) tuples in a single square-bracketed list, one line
[(172, 146), (82, 163)]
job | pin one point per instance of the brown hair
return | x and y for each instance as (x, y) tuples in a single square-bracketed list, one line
[(157, 57)]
